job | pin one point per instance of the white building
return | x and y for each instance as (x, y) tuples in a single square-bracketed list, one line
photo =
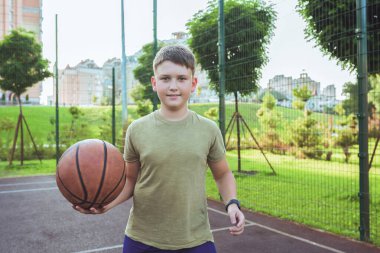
[(80, 85)]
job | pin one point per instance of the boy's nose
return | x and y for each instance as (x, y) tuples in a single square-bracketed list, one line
[(173, 85)]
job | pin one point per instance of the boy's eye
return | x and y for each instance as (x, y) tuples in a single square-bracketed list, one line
[(165, 78), (182, 78)]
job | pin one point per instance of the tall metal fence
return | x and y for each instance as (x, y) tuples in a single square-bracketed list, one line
[(293, 109), (293, 80)]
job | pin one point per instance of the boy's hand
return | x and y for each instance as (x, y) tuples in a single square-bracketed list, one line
[(237, 219), (92, 210)]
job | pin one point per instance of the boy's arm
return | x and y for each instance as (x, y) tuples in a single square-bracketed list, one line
[(226, 184), (132, 171)]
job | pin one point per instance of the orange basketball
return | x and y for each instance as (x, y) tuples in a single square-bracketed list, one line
[(91, 173)]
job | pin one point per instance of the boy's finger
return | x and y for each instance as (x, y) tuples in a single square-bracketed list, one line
[(233, 218)]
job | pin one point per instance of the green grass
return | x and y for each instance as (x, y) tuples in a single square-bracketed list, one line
[(30, 168), (313, 192)]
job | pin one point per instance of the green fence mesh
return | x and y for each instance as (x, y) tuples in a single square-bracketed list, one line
[(291, 104)]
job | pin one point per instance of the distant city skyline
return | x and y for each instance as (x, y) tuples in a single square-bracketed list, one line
[(96, 35)]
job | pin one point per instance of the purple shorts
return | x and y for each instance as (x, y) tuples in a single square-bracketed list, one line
[(132, 246)]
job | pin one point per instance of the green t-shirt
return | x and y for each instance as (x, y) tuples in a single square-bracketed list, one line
[(169, 202)]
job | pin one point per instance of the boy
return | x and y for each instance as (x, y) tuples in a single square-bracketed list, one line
[(167, 153)]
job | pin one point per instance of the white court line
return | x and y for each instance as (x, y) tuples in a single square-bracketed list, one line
[(250, 223), (285, 234), (100, 249), (120, 246), (45, 182), (29, 190)]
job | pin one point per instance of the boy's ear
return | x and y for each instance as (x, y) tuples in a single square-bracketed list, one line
[(153, 82), (194, 84)]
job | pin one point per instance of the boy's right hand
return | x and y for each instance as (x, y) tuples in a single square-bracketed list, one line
[(92, 210)]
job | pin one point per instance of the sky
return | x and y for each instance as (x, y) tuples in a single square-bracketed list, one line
[(91, 29)]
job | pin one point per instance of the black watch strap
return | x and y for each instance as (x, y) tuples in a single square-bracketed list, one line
[(233, 201)]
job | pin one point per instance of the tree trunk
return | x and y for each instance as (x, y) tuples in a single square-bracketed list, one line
[(238, 129), (21, 131)]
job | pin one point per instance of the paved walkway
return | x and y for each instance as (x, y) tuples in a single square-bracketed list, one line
[(36, 218)]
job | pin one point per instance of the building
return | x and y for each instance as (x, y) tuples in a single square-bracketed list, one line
[(329, 91), (281, 84), (305, 80), (26, 14), (80, 85)]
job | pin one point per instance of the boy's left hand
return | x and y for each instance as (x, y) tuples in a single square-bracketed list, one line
[(237, 219)]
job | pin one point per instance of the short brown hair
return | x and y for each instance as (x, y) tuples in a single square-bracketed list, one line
[(177, 54)]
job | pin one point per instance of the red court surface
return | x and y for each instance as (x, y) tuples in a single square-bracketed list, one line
[(36, 218)]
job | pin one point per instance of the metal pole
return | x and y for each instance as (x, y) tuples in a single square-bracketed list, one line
[(123, 72), (57, 152), (222, 71), (155, 98), (113, 107), (361, 22)]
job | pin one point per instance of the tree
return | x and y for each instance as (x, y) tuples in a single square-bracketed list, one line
[(21, 66), (302, 94), (249, 25), (144, 106), (347, 132), (374, 93), (144, 71), (305, 135), (269, 119), (332, 25), (350, 91)]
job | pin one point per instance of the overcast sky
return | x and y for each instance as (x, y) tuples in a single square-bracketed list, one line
[(91, 29)]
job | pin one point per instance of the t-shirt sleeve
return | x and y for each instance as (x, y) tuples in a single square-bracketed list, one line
[(130, 153), (217, 149)]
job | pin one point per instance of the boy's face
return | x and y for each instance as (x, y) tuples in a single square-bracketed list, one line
[(174, 84)]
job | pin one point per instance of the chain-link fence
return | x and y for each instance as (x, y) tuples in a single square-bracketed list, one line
[(291, 105)]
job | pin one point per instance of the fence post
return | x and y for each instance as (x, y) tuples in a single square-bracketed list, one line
[(155, 97), (57, 155), (124, 88), (361, 31), (113, 108), (222, 70)]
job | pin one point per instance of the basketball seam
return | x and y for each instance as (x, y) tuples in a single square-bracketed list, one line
[(117, 185), (80, 176), (72, 194), (103, 175)]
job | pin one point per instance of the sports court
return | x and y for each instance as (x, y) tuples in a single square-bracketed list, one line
[(36, 218)]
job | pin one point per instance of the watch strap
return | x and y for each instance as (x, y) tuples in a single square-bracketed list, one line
[(233, 201)]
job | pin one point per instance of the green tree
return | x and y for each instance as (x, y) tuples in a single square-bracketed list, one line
[(249, 26), (346, 133), (350, 91), (302, 94), (144, 106), (374, 93), (269, 119), (21, 66), (144, 71), (332, 24), (306, 133), (306, 137)]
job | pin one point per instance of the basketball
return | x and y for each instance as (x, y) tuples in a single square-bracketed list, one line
[(91, 173)]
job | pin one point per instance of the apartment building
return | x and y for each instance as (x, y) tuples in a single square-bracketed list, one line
[(80, 85), (26, 14)]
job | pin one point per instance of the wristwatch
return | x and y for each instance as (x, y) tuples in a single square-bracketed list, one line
[(233, 201)]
